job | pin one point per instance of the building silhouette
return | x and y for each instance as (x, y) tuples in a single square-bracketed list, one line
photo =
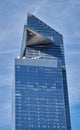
[(41, 94)]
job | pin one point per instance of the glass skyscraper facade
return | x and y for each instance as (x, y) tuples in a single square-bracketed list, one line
[(41, 95)]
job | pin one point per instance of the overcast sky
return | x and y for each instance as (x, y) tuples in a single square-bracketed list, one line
[(63, 16)]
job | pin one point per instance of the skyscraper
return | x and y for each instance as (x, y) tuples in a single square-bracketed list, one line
[(41, 95)]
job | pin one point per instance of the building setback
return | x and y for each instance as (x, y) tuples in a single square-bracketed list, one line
[(41, 94)]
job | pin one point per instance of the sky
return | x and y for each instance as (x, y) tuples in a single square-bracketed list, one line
[(63, 16)]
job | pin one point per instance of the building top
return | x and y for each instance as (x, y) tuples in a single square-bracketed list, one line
[(37, 34)]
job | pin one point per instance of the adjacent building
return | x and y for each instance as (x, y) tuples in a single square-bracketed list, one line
[(41, 93)]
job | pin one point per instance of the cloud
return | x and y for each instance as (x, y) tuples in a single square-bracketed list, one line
[(9, 51), (5, 105), (39, 6), (74, 92), (5, 113), (73, 77), (36, 10)]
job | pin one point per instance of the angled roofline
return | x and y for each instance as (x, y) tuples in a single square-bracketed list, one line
[(30, 14)]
